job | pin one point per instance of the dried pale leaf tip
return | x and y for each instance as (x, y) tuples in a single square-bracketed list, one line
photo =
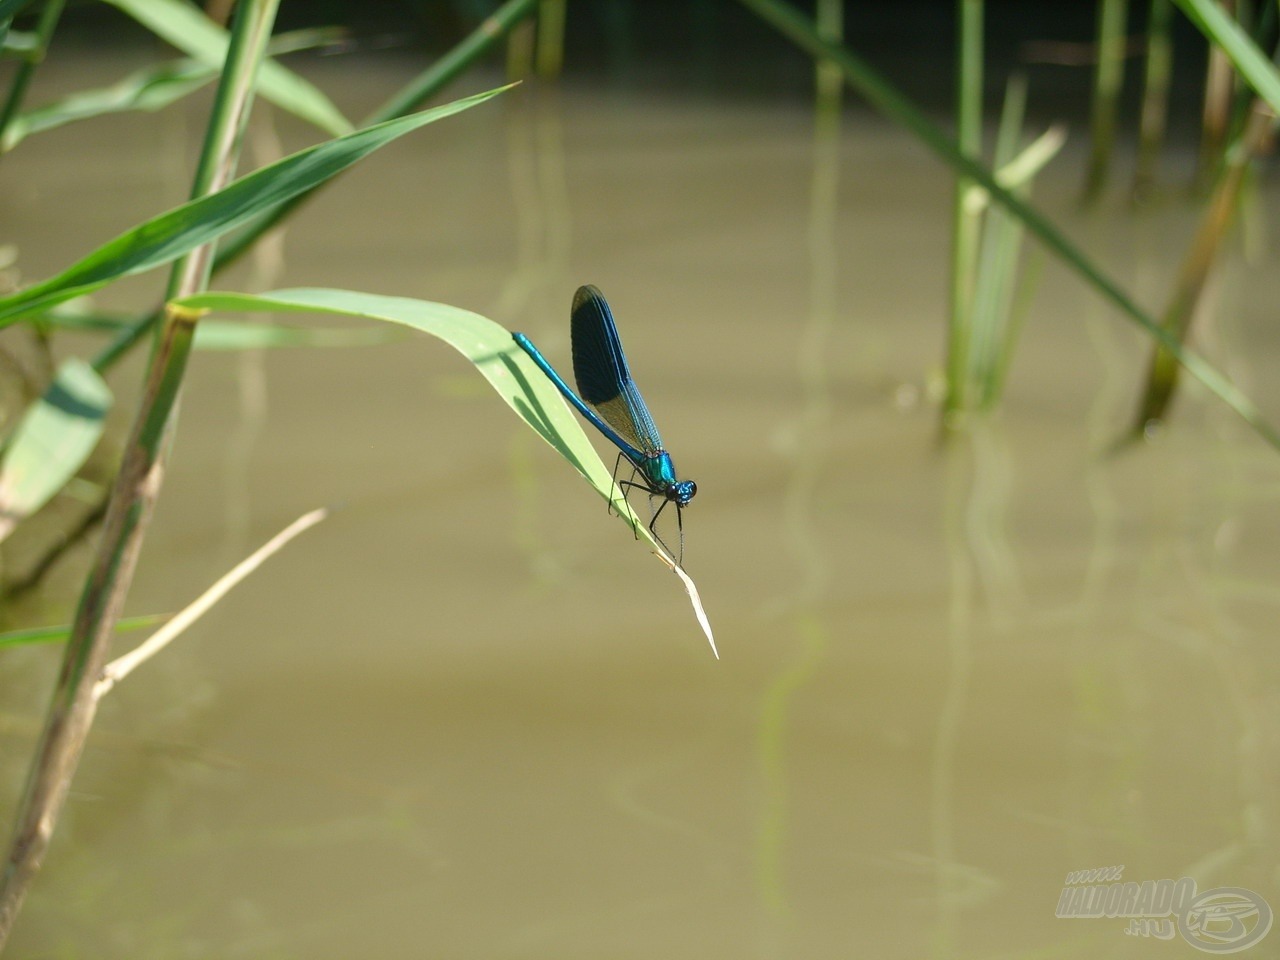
[(698, 612), (692, 589)]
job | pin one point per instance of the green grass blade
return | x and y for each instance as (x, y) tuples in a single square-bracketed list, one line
[(995, 325), (998, 257), (456, 61), (69, 316), (486, 344), (188, 29), (151, 88), (182, 229), (490, 348), (1027, 164), (53, 440), (231, 335), (235, 335), (46, 25), (1220, 29), (415, 93), (58, 634), (19, 43), (887, 99)]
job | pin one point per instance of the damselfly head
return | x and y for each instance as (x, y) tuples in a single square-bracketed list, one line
[(682, 492)]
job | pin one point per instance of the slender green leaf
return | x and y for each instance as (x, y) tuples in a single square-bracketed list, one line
[(172, 234), (11, 8), (77, 315), (188, 29), (456, 61), (999, 254), (415, 93), (20, 42), (152, 88), (487, 345), (46, 24), (230, 335), (233, 335), (1022, 168), (58, 634), (52, 442), (1212, 19), (305, 38)]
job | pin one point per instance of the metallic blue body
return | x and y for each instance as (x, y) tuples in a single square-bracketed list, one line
[(632, 454), (657, 467), (610, 400)]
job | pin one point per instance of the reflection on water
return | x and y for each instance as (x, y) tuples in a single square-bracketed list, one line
[(469, 716), (808, 436)]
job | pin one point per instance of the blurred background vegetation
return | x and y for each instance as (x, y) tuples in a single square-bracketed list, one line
[(817, 348)]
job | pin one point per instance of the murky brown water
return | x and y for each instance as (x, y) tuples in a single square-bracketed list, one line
[(469, 717)]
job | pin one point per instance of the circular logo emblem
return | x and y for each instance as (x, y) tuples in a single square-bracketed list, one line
[(1225, 920)]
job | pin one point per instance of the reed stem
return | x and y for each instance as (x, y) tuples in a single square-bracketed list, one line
[(966, 218), (1216, 115), (1154, 117), (829, 20), (1162, 376), (74, 702), (550, 55), (45, 27), (1108, 79)]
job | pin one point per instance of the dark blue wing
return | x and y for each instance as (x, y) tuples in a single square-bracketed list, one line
[(600, 369)]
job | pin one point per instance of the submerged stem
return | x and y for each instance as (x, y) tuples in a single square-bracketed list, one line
[(1162, 376)]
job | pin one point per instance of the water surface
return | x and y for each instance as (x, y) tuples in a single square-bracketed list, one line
[(469, 716)]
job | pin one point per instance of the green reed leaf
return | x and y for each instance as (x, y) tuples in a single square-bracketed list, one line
[(170, 235), (488, 346), (59, 633), (187, 28), (52, 442)]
